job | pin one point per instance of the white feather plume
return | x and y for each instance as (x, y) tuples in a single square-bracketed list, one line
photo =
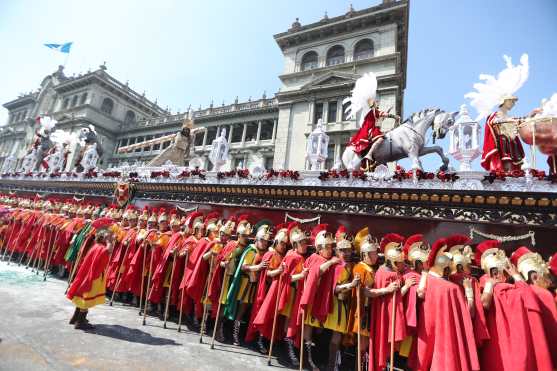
[(92, 128), (491, 90), (549, 107), (64, 137), (364, 89), (47, 123)]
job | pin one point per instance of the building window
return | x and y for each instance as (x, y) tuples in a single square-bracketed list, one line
[(83, 98), (157, 146), (363, 49), (74, 101), (251, 131), (107, 106), (335, 55), (309, 61), (139, 140), (332, 112), (267, 127), (165, 144), (211, 134), (130, 117), (237, 163), (66, 103), (344, 114), (237, 133), (199, 139), (330, 161), (317, 112), (268, 163)]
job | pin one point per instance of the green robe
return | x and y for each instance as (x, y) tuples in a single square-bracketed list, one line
[(231, 307), (71, 254)]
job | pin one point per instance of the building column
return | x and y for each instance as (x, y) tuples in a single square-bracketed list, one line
[(258, 131), (311, 109), (275, 121), (244, 133), (339, 110), (325, 114), (205, 138)]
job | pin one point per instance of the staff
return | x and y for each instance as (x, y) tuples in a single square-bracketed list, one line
[(148, 284), (169, 287), (117, 284), (51, 255), (186, 257), (275, 319), (393, 319), (204, 298), (359, 318)]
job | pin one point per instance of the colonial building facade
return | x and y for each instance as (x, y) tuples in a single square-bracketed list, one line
[(322, 60)]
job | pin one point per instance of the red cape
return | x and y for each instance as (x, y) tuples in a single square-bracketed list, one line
[(196, 284), (92, 268), (548, 311), (516, 330), (367, 134), (215, 285), (445, 331), (316, 282), (121, 258), (160, 269), (380, 323)]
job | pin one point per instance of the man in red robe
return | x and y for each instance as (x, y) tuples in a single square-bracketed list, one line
[(517, 339), (88, 288), (445, 330), (390, 276)]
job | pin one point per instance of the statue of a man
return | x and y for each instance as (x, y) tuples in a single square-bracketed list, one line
[(219, 151)]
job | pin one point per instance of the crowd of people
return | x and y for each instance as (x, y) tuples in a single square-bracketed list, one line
[(314, 297)]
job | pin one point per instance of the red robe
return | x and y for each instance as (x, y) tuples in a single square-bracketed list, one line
[(195, 286), (265, 286), (64, 238), (134, 276), (381, 314), (516, 330), (160, 269), (120, 260), (316, 282), (548, 311), (498, 149), (480, 326), (93, 267), (217, 280), (445, 331), (367, 134)]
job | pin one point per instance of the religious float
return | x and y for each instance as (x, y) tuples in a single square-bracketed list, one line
[(510, 200)]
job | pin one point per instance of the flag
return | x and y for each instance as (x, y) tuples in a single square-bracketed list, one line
[(62, 48)]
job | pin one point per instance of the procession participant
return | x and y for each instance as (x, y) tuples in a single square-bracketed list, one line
[(162, 269), (535, 272), (137, 275), (459, 248), (118, 265), (88, 288), (194, 223), (202, 259), (513, 316), (389, 276), (553, 268), (225, 262), (74, 223), (448, 344), (241, 293)]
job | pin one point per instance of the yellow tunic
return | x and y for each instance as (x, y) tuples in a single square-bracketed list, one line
[(367, 277), (337, 320), (247, 287), (93, 297), (292, 294)]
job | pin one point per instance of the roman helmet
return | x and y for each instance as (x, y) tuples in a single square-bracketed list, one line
[(282, 233), (263, 230), (321, 237), (144, 214), (295, 233), (459, 247), (439, 259), (194, 221), (489, 255), (391, 245), (244, 227), (416, 249), (527, 261), (212, 222), (174, 220), (228, 227), (340, 233), (130, 213), (153, 218), (163, 216)]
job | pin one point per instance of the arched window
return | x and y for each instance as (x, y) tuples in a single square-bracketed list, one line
[(335, 55), (66, 103), (83, 98), (130, 117), (309, 61), (74, 101), (107, 106), (363, 49)]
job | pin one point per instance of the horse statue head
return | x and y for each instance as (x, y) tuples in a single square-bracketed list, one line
[(442, 122)]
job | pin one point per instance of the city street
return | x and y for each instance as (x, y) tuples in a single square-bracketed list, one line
[(35, 334)]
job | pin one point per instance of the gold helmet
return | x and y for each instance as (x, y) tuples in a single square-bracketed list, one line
[(194, 221), (391, 245), (228, 227), (263, 233), (459, 247), (321, 237), (489, 255), (163, 217), (295, 233), (439, 259), (527, 261), (153, 218), (175, 220), (282, 234), (212, 223), (144, 214)]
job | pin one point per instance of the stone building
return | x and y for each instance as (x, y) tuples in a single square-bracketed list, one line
[(322, 60)]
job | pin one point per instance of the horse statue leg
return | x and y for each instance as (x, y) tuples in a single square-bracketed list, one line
[(350, 159), (436, 149)]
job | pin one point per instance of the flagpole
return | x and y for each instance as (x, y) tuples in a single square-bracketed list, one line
[(66, 59)]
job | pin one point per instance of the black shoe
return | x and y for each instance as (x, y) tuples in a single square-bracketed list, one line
[(74, 317)]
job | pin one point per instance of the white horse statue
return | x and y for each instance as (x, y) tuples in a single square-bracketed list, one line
[(29, 161), (408, 140)]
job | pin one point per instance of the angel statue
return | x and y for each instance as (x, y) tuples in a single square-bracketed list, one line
[(41, 144), (91, 150), (219, 151), (180, 149), (29, 161), (502, 148), (57, 157)]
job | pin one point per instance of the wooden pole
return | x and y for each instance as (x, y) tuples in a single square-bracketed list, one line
[(204, 299), (393, 319), (218, 312), (359, 334), (51, 255), (169, 289), (148, 286), (144, 247), (7, 241), (117, 283), (274, 321), (182, 294), (303, 313)]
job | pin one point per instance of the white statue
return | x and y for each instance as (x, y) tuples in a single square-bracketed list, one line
[(90, 158), (219, 151), (29, 161), (317, 147), (56, 158)]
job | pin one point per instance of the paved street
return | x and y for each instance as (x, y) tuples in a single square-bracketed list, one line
[(35, 335)]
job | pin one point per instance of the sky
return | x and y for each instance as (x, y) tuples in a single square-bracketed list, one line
[(183, 52)]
